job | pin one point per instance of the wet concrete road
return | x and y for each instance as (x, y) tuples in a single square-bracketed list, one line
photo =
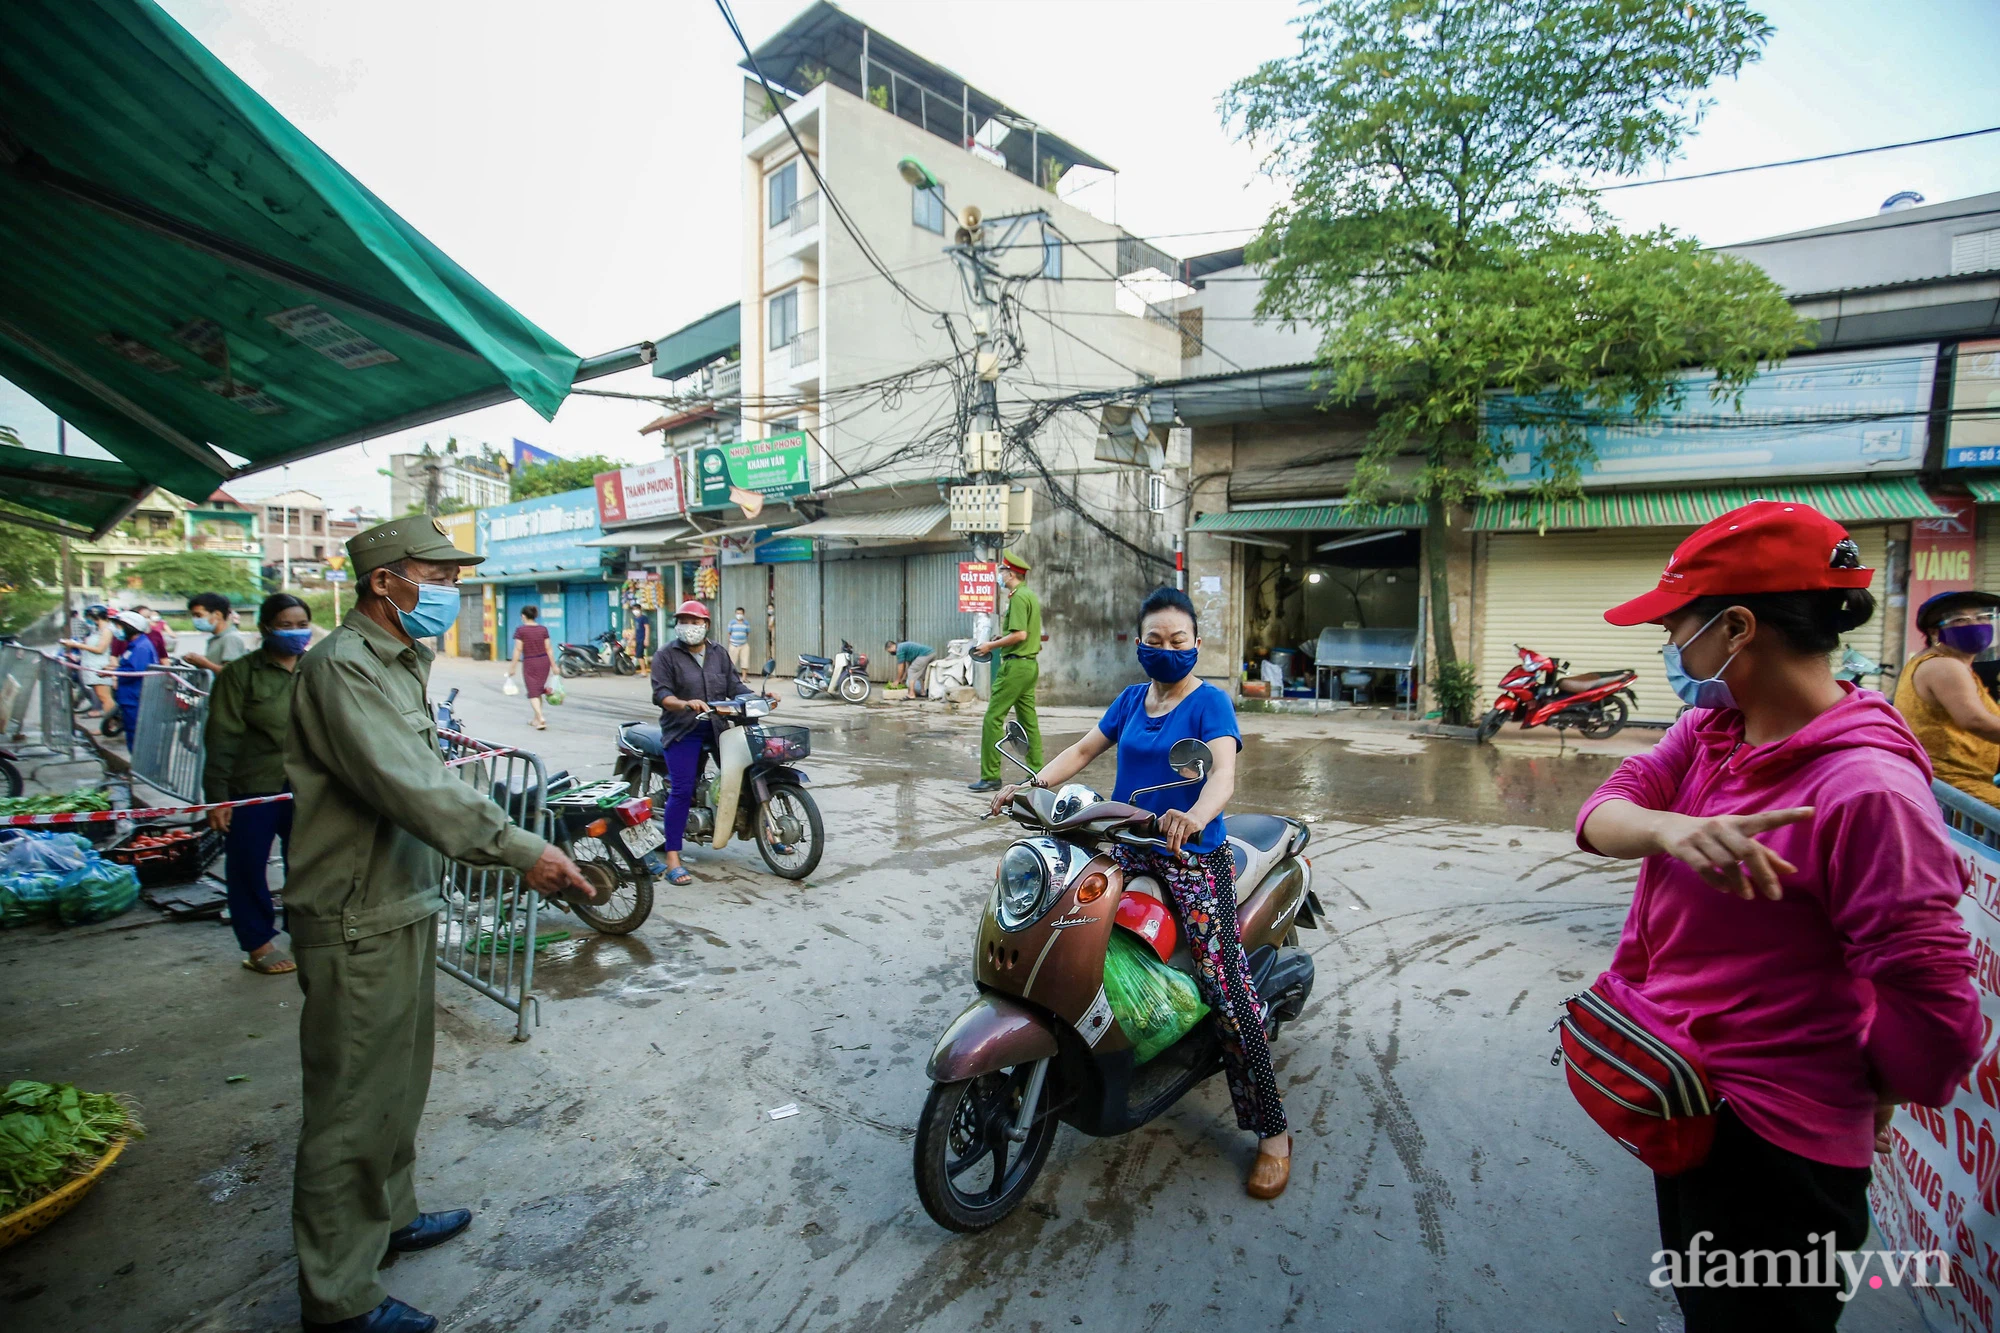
[(627, 1176)]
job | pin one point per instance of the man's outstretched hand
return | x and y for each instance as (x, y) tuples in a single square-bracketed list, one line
[(554, 875)]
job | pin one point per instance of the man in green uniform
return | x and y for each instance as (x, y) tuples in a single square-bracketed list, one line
[(1016, 668), (376, 813)]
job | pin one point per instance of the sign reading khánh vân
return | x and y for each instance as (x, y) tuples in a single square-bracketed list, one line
[(775, 469), (1833, 414)]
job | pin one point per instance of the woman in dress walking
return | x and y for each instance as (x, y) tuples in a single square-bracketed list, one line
[(531, 654)]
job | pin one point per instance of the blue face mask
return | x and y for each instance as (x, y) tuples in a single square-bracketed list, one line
[(436, 610), (1167, 665), (289, 642), (1712, 692)]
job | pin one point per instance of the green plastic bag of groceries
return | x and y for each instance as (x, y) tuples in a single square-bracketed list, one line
[(1156, 1005), (555, 693)]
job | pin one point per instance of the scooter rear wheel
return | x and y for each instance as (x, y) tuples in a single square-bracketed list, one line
[(625, 888), (10, 777), (1606, 723), (805, 691), (970, 1175)]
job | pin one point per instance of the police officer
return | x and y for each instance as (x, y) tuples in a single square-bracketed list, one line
[(1016, 668), (376, 814)]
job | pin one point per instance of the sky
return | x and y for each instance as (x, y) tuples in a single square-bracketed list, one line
[(582, 159)]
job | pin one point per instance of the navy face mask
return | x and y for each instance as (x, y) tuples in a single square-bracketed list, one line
[(1169, 666)]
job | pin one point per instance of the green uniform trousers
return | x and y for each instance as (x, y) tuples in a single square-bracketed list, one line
[(365, 1041), (1013, 688)]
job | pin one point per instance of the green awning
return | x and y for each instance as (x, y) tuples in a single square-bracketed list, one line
[(688, 349), (1886, 501), (1312, 518), (1986, 490), (91, 494), (186, 272)]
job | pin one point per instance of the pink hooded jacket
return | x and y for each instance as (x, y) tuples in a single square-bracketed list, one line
[(1859, 978)]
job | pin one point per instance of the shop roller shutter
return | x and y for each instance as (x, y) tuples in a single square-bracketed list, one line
[(864, 605), (796, 589), (933, 615), (746, 586), (1550, 594)]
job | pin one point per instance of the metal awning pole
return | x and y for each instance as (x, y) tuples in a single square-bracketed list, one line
[(62, 553)]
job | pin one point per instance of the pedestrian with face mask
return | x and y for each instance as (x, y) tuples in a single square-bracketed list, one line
[(1017, 666), (1943, 699), (1144, 723), (249, 712), (687, 674), (222, 645), (1795, 932), (377, 814)]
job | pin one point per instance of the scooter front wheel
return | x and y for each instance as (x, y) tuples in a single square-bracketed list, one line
[(1490, 724), (790, 834), (10, 778), (855, 688), (970, 1175)]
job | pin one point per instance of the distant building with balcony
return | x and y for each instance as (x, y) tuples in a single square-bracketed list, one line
[(225, 526), (470, 481), (296, 539), (158, 526), (703, 364)]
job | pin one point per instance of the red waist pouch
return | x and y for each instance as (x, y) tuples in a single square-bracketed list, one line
[(1641, 1089)]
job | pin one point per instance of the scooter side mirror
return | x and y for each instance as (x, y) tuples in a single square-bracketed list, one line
[(1015, 733), (1190, 758), (770, 665)]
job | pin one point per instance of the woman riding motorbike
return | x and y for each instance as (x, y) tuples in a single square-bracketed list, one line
[(1144, 722)]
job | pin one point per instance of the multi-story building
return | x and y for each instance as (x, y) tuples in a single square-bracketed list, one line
[(869, 369), (225, 526), (345, 524), (470, 481), (296, 540), (158, 526)]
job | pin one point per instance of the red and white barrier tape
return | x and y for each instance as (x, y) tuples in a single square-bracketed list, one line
[(150, 812)]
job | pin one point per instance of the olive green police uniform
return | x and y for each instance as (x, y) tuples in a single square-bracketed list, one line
[(376, 813), (1015, 671)]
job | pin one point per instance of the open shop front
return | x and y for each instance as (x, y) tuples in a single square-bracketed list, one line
[(1332, 598)]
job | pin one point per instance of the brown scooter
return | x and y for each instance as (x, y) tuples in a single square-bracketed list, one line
[(1040, 1044)]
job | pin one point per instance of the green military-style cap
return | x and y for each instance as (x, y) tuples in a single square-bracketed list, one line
[(413, 537), (1009, 558)]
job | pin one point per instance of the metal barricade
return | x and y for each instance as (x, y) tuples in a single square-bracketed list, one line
[(1967, 816), (20, 672), (486, 935), (58, 709), (167, 752)]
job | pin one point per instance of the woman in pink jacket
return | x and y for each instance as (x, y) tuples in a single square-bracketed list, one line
[(1795, 922)]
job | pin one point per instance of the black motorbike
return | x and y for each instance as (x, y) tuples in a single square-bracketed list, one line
[(604, 653)]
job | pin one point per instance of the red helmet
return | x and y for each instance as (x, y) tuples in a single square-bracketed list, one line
[(1148, 918), (691, 608)]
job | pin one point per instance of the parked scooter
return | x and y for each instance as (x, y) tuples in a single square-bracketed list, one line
[(604, 653), (1536, 693), (845, 674), (1041, 1044), (745, 785)]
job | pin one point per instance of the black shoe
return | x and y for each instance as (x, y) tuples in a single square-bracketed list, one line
[(984, 784), (429, 1229), (391, 1316)]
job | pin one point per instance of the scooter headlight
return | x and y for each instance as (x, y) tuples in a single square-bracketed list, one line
[(1020, 887)]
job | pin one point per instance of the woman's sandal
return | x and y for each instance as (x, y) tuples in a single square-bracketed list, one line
[(679, 876), (1270, 1174), (273, 964)]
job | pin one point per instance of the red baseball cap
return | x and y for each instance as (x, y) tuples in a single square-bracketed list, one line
[(691, 608), (1766, 546)]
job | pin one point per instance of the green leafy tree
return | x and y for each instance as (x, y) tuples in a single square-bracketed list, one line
[(185, 573), (565, 474), (29, 573), (1441, 231)]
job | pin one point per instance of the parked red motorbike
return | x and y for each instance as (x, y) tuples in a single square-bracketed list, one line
[(1537, 693)]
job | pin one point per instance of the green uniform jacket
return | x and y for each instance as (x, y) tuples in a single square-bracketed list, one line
[(249, 716), (376, 809), (1024, 612)]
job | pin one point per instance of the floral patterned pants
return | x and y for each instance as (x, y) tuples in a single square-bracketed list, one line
[(1205, 894)]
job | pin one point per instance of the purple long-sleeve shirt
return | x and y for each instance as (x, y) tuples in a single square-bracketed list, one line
[(1857, 985)]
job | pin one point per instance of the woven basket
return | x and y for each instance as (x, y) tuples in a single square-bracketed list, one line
[(25, 1221)]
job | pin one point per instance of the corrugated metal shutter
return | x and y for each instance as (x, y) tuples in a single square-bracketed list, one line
[(933, 615), (471, 620), (797, 595), (1550, 594), (864, 605), (1989, 546), (747, 586)]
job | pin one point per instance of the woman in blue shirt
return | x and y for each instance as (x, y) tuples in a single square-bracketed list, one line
[(1144, 722), (136, 656)]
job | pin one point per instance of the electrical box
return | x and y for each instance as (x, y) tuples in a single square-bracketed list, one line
[(982, 451), (997, 508)]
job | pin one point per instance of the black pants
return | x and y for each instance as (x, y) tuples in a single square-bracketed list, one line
[(1753, 1195)]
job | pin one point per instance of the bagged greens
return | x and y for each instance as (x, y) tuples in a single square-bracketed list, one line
[(1156, 1005)]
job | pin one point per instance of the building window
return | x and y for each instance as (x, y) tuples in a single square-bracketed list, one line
[(1052, 248), (97, 573), (785, 427), (274, 516), (319, 552), (927, 208), (1190, 323), (784, 189), (318, 519), (784, 318)]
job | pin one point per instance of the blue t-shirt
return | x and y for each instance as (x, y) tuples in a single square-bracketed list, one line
[(1143, 743), (139, 656)]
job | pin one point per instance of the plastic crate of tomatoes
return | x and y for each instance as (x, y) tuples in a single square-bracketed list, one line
[(166, 853)]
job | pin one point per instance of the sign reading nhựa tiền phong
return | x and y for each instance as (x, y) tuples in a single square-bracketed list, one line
[(776, 469), (1832, 414)]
